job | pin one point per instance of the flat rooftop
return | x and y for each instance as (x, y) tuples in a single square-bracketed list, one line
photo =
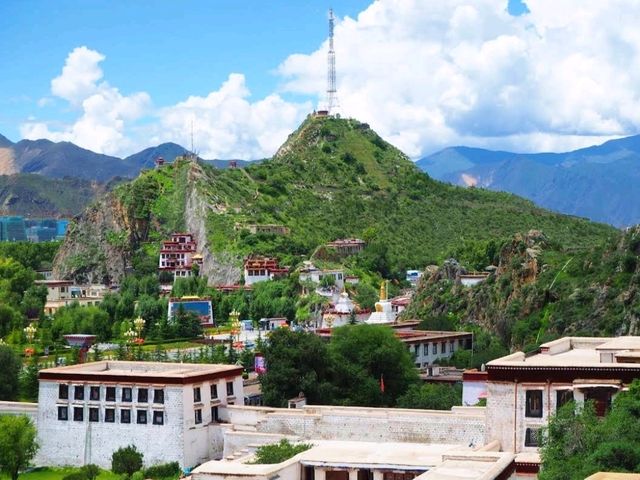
[(575, 352), (140, 372)]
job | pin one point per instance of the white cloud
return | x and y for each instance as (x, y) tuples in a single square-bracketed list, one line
[(105, 112), (227, 125), (427, 73)]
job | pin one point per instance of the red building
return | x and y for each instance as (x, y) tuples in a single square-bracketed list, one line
[(258, 269), (178, 255)]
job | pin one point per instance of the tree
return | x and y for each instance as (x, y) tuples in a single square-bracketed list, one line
[(431, 396), (9, 373), (17, 444), (126, 460), (296, 362), (29, 381), (279, 452), (370, 365), (577, 443), (90, 471)]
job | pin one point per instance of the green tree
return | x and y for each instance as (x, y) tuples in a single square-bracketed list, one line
[(9, 373), (29, 381), (126, 460), (296, 362), (431, 396), (279, 452), (366, 357), (17, 444), (90, 471)]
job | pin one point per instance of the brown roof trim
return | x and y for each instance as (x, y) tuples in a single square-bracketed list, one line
[(100, 377), (560, 374), (527, 467)]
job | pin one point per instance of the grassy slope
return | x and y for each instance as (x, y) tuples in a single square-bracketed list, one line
[(337, 178)]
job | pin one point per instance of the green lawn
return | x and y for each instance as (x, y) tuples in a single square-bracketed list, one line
[(46, 473)]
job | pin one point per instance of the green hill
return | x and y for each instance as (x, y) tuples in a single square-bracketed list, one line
[(333, 178)]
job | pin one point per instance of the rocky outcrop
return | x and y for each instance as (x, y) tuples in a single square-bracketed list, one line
[(221, 268), (96, 248)]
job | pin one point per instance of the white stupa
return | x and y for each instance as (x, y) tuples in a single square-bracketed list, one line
[(344, 304), (384, 312)]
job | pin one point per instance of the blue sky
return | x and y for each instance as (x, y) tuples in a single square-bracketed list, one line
[(117, 76)]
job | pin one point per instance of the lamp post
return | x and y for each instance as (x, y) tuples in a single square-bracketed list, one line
[(234, 317), (30, 332), (139, 323), (129, 335)]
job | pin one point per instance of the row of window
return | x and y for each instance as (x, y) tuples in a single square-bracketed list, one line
[(256, 273), (95, 393), (197, 393), (142, 416), (534, 406), (215, 417)]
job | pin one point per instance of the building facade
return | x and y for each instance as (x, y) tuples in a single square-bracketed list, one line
[(429, 347), (524, 391), (178, 255), (170, 412), (260, 269), (62, 293)]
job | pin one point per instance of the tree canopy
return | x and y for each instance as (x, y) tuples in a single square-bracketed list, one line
[(17, 444), (577, 444)]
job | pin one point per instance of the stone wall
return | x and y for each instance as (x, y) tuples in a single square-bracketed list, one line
[(465, 425)]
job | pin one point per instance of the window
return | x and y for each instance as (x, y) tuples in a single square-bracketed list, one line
[(214, 391), (125, 415), (229, 389), (214, 414), (126, 394), (78, 414), (63, 392), (110, 415), (534, 403), (196, 395), (425, 349), (435, 348), (63, 413), (158, 395), (141, 417), (158, 418), (143, 395), (198, 416), (563, 396), (451, 346), (111, 394), (94, 414), (443, 347), (94, 393), (78, 392), (531, 438)]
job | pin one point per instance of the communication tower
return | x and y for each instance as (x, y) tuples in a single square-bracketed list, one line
[(332, 94)]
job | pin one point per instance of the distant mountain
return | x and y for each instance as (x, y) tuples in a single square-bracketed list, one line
[(38, 196), (146, 158), (599, 182), (65, 159)]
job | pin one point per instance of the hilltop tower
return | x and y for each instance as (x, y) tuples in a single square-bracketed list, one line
[(332, 95)]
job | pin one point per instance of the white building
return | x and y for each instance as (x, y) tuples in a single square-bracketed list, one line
[(170, 412), (432, 346), (524, 391), (61, 293)]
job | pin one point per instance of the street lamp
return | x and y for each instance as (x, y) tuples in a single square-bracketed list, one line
[(129, 335), (30, 332), (139, 325), (234, 316)]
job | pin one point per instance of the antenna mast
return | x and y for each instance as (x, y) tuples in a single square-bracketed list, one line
[(332, 96)]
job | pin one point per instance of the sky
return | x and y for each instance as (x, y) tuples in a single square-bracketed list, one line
[(117, 76)]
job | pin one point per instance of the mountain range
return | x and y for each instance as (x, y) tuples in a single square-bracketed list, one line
[(65, 159), (598, 182)]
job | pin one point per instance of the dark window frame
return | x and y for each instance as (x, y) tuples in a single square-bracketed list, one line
[(63, 417), (197, 413), (534, 403), (214, 391), (197, 395), (158, 395), (143, 395), (158, 417), (129, 394), (63, 391), (563, 397), (94, 393), (215, 414), (110, 415), (125, 412), (532, 437), (78, 392), (230, 389), (142, 417), (94, 414), (110, 394), (78, 414)]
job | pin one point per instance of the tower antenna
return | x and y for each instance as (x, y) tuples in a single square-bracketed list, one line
[(332, 94)]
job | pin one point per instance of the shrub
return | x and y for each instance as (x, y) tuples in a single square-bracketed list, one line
[(90, 471), (164, 470), (279, 452), (79, 475), (126, 460)]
